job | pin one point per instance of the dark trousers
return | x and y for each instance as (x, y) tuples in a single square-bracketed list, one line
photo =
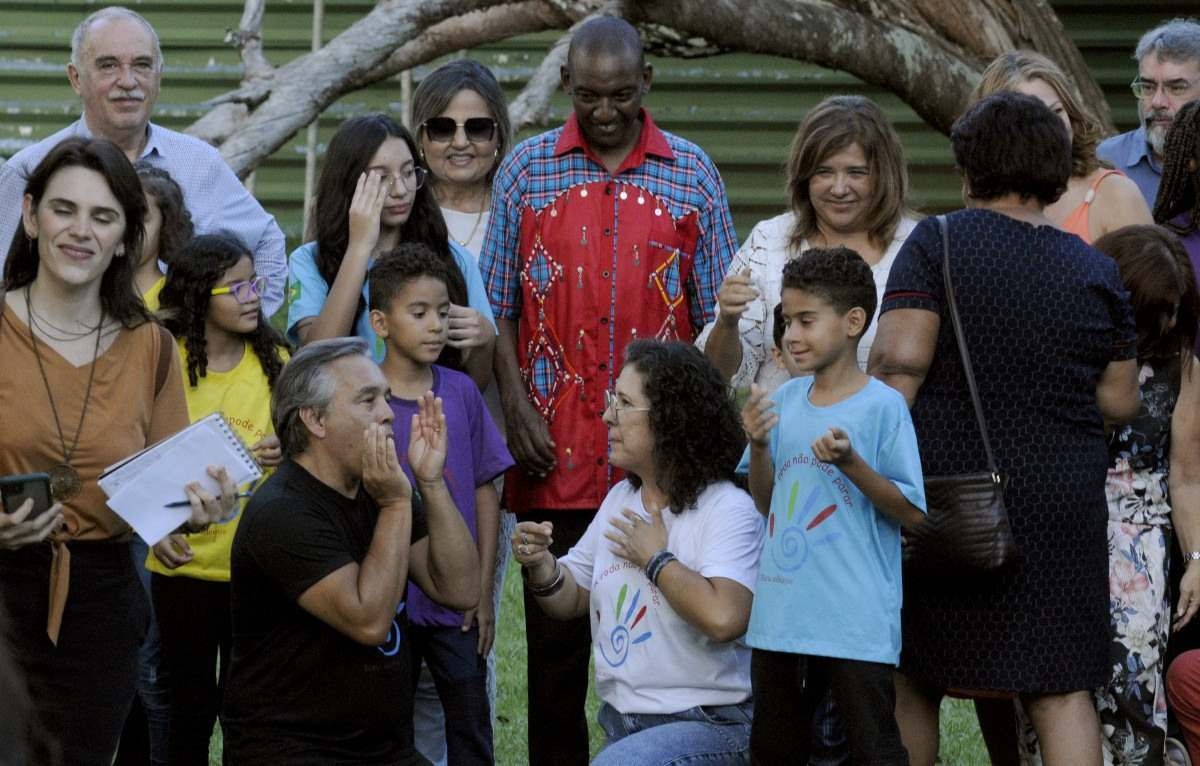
[(789, 688), (82, 688), (195, 630), (460, 675), (557, 653)]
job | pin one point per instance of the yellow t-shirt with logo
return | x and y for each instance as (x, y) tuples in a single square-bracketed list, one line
[(243, 396)]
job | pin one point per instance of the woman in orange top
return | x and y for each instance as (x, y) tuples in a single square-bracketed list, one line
[(87, 380), (1097, 200)]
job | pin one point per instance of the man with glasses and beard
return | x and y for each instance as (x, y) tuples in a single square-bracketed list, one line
[(1168, 77)]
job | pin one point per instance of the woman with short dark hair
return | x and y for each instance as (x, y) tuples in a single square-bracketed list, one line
[(666, 569), (1052, 345)]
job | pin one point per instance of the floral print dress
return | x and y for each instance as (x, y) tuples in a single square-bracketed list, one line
[(1133, 706)]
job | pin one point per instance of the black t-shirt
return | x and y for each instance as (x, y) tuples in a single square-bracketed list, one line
[(300, 692)]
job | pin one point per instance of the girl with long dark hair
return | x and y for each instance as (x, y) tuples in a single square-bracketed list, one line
[(371, 197)]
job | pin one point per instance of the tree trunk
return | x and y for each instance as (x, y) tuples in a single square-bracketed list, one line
[(928, 52)]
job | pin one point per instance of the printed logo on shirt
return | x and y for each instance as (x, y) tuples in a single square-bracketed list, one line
[(799, 533), (294, 291), (391, 645), (615, 649)]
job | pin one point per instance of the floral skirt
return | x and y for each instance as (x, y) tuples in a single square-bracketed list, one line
[(1133, 705)]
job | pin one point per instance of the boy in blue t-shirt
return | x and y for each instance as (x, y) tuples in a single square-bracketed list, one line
[(834, 467)]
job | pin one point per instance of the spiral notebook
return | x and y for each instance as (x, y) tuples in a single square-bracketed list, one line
[(140, 487)]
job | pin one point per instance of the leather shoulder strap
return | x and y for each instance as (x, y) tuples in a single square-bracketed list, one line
[(166, 347)]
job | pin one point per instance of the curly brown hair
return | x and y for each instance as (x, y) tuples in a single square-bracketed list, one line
[(698, 438)]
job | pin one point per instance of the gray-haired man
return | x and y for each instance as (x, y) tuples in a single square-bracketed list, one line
[(116, 69), (320, 669), (1168, 59)]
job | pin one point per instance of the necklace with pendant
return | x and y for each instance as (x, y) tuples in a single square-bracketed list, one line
[(64, 479)]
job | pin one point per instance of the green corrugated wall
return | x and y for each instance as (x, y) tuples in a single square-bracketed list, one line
[(741, 109)]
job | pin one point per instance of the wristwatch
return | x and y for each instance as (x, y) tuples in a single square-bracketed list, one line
[(1191, 556)]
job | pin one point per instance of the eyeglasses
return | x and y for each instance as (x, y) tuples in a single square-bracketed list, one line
[(1147, 88), (611, 402), (479, 130), (413, 178), (244, 292)]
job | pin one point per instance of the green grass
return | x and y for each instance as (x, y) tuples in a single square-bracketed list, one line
[(961, 741)]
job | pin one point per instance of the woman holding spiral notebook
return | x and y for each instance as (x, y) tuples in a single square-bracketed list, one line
[(87, 380)]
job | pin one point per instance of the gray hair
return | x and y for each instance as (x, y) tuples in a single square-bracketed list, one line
[(113, 12), (1176, 40), (306, 383), (439, 87)]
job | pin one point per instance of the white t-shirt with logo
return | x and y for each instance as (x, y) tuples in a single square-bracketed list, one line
[(648, 658)]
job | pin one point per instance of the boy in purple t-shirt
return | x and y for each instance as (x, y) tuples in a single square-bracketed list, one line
[(410, 305)]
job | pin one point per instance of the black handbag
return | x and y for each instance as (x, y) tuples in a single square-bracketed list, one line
[(966, 529)]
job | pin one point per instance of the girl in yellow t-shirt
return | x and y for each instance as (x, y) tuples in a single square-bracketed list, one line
[(168, 228), (230, 357)]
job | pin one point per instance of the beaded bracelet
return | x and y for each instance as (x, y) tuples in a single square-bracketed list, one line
[(543, 591), (657, 563)]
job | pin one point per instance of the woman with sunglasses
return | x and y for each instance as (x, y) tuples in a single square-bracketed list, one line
[(230, 356), (666, 569), (463, 131), (371, 197)]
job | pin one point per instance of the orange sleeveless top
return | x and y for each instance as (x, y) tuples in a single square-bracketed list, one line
[(1076, 221)]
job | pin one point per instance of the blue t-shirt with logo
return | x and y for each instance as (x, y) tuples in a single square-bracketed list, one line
[(829, 577)]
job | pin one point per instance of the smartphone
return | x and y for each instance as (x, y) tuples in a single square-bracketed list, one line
[(15, 490)]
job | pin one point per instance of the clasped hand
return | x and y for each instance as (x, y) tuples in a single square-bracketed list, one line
[(635, 539)]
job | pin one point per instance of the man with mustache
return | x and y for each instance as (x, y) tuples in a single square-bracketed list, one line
[(1168, 59), (116, 69), (602, 231)]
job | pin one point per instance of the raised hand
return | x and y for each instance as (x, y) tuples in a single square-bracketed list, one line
[(382, 476), (833, 447), (736, 293), (427, 439), (366, 208), (759, 416)]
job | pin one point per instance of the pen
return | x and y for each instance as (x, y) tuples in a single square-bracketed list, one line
[(182, 503)]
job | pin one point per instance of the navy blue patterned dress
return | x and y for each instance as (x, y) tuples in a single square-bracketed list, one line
[(1043, 315)]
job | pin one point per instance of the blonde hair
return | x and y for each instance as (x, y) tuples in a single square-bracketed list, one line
[(831, 126), (1008, 70)]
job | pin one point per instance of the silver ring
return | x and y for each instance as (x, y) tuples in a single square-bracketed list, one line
[(524, 539)]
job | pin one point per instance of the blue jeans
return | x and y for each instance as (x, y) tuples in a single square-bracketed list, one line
[(152, 693), (460, 678), (716, 735)]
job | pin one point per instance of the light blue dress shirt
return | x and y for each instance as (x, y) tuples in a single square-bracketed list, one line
[(214, 196), (1129, 153)]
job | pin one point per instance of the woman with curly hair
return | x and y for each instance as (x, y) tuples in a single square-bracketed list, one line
[(370, 198), (168, 229), (1098, 200), (231, 357), (667, 568)]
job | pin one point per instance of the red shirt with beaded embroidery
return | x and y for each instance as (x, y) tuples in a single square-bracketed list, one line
[(586, 261)]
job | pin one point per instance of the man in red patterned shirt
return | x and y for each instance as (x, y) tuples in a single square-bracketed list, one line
[(602, 231)]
